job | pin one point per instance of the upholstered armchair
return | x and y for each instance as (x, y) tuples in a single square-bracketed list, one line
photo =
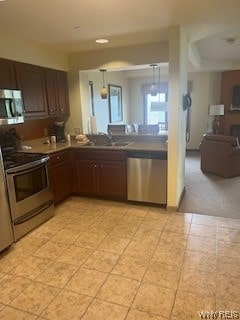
[(116, 128), (148, 128), (220, 155)]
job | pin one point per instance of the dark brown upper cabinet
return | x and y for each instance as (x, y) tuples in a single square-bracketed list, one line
[(31, 82), (57, 92), (44, 90), (7, 75)]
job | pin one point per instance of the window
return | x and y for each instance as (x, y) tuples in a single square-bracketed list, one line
[(155, 108)]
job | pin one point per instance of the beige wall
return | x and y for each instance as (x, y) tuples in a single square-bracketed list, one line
[(177, 117), (205, 91), (176, 54), (100, 105), (132, 101), (75, 121), (135, 96), (115, 78), (19, 49), (119, 57), (115, 58), (215, 79), (136, 103)]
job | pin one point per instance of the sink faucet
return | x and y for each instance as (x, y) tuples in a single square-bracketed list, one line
[(108, 136)]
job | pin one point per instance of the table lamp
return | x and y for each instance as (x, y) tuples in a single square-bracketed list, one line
[(216, 110)]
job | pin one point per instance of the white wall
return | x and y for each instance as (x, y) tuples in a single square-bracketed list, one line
[(136, 103), (205, 91), (135, 96), (101, 106), (131, 97)]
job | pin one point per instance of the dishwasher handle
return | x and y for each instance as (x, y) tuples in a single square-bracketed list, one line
[(162, 155)]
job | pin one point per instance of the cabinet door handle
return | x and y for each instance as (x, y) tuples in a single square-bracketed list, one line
[(101, 165), (58, 157), (95, 166)]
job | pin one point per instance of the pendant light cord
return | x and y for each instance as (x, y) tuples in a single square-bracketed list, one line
[(104, 92), (103, 79), (103, 71)]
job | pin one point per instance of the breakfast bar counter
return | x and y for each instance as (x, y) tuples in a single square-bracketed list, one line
[(95, 169), (39, 145)]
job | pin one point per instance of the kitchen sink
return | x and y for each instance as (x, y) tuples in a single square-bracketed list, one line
[(110, 144), (120, 144)]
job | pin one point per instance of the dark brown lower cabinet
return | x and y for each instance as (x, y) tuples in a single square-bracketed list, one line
[(112, 179), (88, 173), (101, 173), (59, 175)]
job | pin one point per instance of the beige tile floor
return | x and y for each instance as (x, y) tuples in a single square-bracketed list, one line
[(104, 260)]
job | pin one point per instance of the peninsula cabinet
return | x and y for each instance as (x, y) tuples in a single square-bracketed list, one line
[(30, 80), (59, 175), (7, 75), (57, 92), (101, 173)]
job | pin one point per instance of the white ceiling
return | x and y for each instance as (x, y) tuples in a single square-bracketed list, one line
[(207, 24)]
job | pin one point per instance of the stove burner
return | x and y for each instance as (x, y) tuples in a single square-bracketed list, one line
[(19, 158), (10, 144)]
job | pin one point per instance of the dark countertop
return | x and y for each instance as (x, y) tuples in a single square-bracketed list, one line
[(38, 145)]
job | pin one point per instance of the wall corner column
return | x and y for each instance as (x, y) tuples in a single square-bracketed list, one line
[(178, 58)]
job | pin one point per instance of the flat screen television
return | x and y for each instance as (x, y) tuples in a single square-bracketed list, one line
[(236, 98)]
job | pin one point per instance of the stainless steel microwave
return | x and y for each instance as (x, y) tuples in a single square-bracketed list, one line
[(11, 107)]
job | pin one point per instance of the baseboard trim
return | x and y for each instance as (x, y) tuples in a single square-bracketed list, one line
[(181, 197), (173, 208)]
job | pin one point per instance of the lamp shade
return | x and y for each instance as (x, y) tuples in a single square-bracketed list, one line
[(104, 93), (216, 110)]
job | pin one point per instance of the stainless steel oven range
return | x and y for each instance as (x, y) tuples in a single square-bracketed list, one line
[(30, 196), (6, 232)]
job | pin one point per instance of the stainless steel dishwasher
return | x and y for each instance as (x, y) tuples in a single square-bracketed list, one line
[(147, 176)]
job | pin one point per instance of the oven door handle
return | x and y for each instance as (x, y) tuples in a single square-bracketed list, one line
[(28, 168), (33, 213)]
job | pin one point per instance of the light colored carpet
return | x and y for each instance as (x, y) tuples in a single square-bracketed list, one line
[(208, 193)]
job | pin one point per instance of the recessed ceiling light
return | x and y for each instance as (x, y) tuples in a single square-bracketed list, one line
[(101, 41), (230, 40)]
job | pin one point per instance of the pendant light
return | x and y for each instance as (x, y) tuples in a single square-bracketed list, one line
[(153, 88), (104, 91), (158, 105)]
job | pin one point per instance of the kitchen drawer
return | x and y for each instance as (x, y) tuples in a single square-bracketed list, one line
[(58, 157), (100, 155)]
